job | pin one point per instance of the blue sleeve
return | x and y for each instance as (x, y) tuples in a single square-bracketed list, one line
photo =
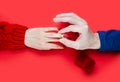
[(110, 40)]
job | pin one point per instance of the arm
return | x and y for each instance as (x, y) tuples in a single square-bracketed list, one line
[(110, 40), (104, 41), (14, 36), (87, 39)]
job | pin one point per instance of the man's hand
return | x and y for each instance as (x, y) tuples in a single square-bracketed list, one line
[(41, 38), (86, 40)]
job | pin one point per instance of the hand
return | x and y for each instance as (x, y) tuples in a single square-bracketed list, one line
[(86, 40), (41, 38)]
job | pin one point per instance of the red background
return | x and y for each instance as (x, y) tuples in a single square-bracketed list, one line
[(57, 65)]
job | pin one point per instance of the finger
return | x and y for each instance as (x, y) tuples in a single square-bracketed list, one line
[(69, 15), (68, 43), (52, 40), (70, 28), (54, 46), (50, 29), (70, 20), (53, 35)]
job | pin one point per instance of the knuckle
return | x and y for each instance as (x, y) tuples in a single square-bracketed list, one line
[(85, 28), (68, 18)]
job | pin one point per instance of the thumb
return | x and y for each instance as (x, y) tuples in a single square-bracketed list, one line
[(70, 28), (68, 43)]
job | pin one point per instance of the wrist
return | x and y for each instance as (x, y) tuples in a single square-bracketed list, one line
[(96, 42), (26, 41)]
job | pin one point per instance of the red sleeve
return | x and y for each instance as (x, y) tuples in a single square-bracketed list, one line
[(12, 36)]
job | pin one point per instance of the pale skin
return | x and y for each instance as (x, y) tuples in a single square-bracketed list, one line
[(87, 38), (40, 38)]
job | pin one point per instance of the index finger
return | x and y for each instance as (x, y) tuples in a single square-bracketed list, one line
[(50, 29)]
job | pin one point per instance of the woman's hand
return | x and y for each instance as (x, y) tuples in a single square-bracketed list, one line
[(41, 38)]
